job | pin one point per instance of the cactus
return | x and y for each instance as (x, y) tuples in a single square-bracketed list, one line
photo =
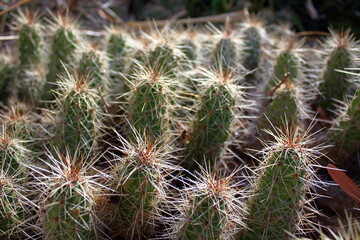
[(253, 34), (67, 197), (212, 124), (148, 109), (7, 74), (225, 55), (212, 209), (182, 98), (12, 154), (335, 85), (78, 114), (31, 59), (286, 62), (282, 108), (140, 182), (277, 206), (117, 48), (346, 132), (63, 52), (22, 123), (93, 63), (12, 208)]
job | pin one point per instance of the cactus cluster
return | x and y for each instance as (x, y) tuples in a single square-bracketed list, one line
[(140, 135)]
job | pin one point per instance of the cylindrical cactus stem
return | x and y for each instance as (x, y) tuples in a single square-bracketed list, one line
[(346, 132), (118, 48), (335, 85), (163, 59), (64, 45), (276, 207), (67, 198), (212, 209), (252, 33), (31, 49), (149, 103), (12, 154), (225, 54), (141, 184), (8, 68), (12, 208), (94, 63), (212, 124), (22, 123), (78, 114), (288, 61), (282, 107)]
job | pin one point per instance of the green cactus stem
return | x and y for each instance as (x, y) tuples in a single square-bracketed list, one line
[(93, 63), (335, 84), (286, 62), (12, 154), (63, 53), (346, 133), (212, 209), (78, 114), (22, 123), (7, 76), (225, 55), (282, 107), (148, 106), (12, 208), (117, 48), (252, 48), (211, 126), (140, 182), (68, 198), (277, 205), (31, 59)]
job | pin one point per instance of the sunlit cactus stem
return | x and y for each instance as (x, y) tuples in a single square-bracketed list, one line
[(64, 44), (335, 85), (212, 124), (276, 207), (149, 104), (32, 52), (141, 185), (78, 114), (93, 63), (12, 154), (12, 208), (346, 132), (68, 198), (212, 209)]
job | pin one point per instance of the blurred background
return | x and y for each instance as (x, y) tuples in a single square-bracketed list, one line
[(305, 15)]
